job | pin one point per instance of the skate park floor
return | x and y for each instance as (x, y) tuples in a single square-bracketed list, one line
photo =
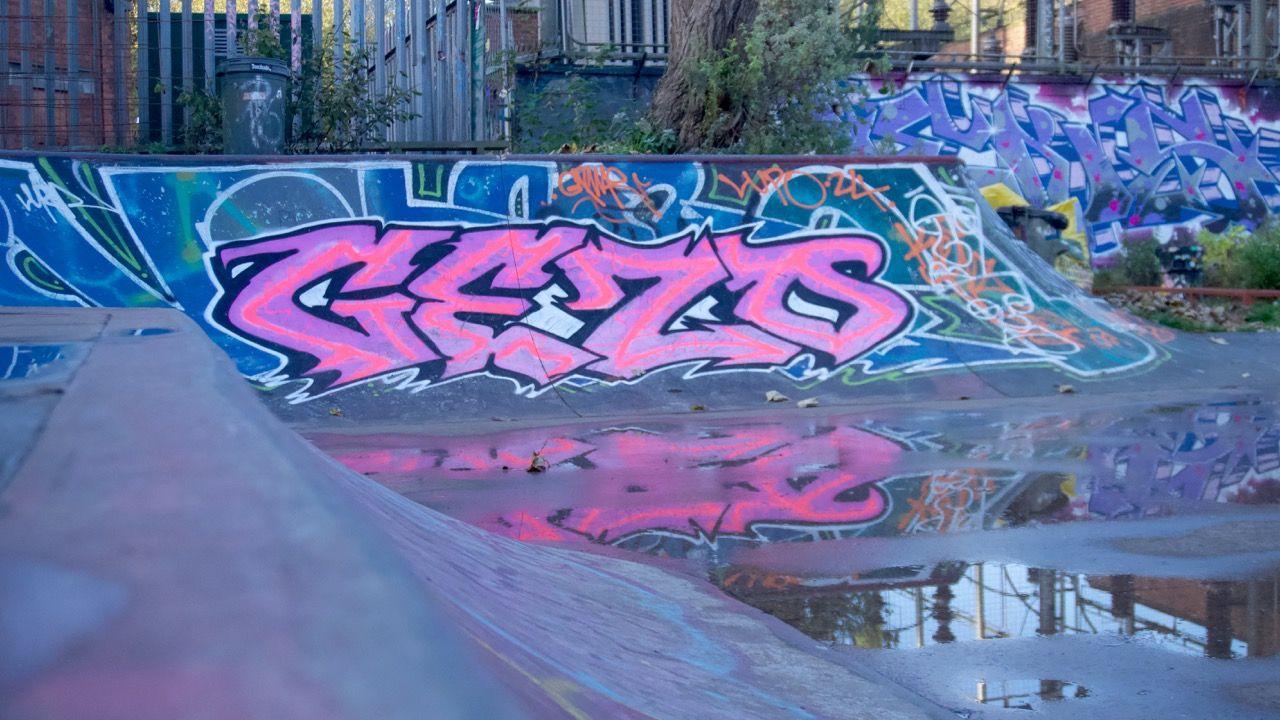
[(1013, 542)]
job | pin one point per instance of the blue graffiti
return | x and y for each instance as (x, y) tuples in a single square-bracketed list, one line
[(1138, 162)]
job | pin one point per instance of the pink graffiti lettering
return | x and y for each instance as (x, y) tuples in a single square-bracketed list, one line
[(541, 303)]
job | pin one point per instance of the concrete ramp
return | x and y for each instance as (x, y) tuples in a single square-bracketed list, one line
[(465, 288), (169, 550)]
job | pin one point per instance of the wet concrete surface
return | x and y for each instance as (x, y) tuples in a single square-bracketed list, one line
[(1033, 544)]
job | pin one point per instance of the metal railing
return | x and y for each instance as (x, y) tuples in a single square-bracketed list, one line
[(1252, 68), (89, 74)]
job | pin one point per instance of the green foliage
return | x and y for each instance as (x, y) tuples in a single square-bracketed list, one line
[(780, 87), (263, 40), (1109, 277), (202, 129), (541, 125), (1179, 322), (333, 106), (1240, 259), (630, 135), (1266, 313), (1139, 265)]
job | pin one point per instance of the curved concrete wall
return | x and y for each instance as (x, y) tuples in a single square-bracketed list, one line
[(527, 274)]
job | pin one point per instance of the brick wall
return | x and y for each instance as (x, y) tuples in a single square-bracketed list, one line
[(94, 80)]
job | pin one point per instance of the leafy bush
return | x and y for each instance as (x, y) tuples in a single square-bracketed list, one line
[(1267, 313), (782, 88), (202, 129), (333, 108), (1140, 264), (1109, 277), (1240, 259)]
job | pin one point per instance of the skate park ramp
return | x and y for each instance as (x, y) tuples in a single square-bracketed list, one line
[(465, 288), (565, 473)]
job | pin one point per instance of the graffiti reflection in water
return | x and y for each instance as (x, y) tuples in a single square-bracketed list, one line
[(687, 488)]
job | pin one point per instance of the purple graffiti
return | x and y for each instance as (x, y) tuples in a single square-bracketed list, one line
[(539, 303), (1139, 162)]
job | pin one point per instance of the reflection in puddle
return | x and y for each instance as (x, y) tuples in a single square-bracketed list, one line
[(915, 606), (24, 362), (1027, 693), (687, 488), (147, 332)]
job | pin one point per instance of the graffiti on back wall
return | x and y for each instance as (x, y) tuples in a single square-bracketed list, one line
[(539, 303), (317, 277), (1126, 160)]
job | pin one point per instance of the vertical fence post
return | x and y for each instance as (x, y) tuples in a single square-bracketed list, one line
[(24, 61), (359, 24), (97, 80), (252, 9), (508, 52), (188, 57), (462, 52), (380, 47), (339, 37), (144, 72), (317, 31), (50, 112), (73, 71), (440, 69), (478, 68), (295, 37), (422, 70), (403, 129), (166, 74), (232, 18), (5, 49), (120, 57), (209, 28)]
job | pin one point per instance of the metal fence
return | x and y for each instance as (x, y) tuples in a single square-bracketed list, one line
[(94, 73)]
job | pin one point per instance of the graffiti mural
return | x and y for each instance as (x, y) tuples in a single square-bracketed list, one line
[(317, 277), (1125, 159), (540, 303)]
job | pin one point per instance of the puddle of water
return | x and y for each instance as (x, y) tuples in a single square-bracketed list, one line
[(693, 489), (26, 362), (146, 332), (922, 606), (1027, 693)]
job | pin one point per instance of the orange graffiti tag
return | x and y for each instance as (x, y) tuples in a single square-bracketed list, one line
[(839, 183), (609, 190)]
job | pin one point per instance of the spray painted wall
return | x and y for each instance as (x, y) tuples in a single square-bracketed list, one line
[(1125, 158), (318, 276)]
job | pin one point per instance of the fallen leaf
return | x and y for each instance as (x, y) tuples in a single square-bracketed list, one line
[(808, 403), (775, 396), (1066, 389), (336, 412), (1217, 340), (698, 408)]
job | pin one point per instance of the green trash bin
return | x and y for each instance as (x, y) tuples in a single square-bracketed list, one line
[(254, 115)]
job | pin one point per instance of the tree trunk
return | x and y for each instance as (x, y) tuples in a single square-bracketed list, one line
[(698, 29)]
